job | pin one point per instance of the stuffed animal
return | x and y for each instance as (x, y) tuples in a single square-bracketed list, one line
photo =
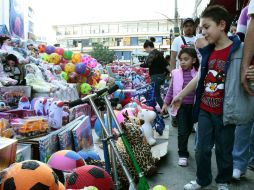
[(148, 116), (38, 106), (56, 114), (140, 148), (24, 103), (47, 105)]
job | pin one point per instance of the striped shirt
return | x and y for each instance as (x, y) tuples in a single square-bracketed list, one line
[(189, 99)]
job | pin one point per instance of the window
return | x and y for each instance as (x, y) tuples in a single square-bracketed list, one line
[(123, 28), (95, 29), (104, 28), (153, 27), (143, 27), (86, 29), (69, 30), (77, 30), (163, 27), (113, 28), (133, 27)]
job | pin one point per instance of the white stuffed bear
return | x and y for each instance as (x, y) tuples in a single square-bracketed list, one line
[(147, 129)]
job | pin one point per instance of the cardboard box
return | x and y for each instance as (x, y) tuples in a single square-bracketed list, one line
[(8, 148)]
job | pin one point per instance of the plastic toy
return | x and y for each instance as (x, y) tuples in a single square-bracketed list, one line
[(59, 51), (54, 58), (76, 58), (65, 160), (147, 129), (89, 176), (80, 68), (50, 49), (85, 88), (47, 105), (39, 106), (67, 54), (64, 75), (45, 57), (34, 127), (42, 48), (30, 174), (69, 68)]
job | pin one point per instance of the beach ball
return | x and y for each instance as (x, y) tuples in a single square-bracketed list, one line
[(30, 174), (85, 88), (65, 160), (42, 48), (54, 58), (76, 58), (59, 51), (64, 75), (89, 175), (69, 68), (92, 64), (67, 54), (80, 68), (50, 49), (45, 57)]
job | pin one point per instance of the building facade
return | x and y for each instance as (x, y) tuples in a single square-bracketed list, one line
[(123, 37)]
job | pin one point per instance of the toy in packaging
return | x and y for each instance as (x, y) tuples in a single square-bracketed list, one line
[(33, 127), (80, 110), (82, 135)]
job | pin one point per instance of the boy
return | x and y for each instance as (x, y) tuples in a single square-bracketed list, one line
[(208, 108)]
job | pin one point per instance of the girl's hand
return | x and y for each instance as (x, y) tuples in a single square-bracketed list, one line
[(164, 108), (176, 102)]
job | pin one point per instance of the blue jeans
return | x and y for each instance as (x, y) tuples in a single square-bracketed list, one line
[(243, 152), (211, 131), (158, 80)]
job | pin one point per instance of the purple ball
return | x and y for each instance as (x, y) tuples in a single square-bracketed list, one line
[(50, 49), (80, 68)]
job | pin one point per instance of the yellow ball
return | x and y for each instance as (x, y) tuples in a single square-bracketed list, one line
[(54, 58), (159, 187), (69, 68), (76, 58)]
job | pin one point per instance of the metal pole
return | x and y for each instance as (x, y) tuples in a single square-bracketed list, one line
[(113, 158), (113, 145)]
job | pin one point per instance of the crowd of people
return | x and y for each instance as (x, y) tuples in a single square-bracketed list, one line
[(212, 83)]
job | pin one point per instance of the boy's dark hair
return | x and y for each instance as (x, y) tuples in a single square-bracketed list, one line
[(167, 57), (149, 43), (218, 13), (191, 52)]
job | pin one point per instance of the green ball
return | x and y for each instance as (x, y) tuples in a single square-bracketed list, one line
[(85, 88), (45, 57), (159, 187), (67, 54), (64, 75)]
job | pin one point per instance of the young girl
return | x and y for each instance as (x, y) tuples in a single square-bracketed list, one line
[(180, 78)]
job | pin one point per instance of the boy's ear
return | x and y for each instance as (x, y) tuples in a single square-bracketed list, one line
[(194, 60), (222, 25)]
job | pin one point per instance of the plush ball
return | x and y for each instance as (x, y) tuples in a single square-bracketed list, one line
[(65, 160), (50, 49), (59, 51), (80, 68), (85, 88), (90, 154), (67, 54), (64, 75), (159, 187), (76, 58), (89, 175), (42, 48), (54, 58), (69, 68), (31, 175)]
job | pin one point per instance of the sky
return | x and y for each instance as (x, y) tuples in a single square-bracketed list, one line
[(56, 12)]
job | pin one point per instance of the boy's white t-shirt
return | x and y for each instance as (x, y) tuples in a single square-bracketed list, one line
[(251, 8), (178, 42)]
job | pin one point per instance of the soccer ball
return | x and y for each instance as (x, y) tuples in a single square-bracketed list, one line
[(30, 175), (89, 175)]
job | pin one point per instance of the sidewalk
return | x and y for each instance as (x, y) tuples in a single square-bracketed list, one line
[(175, 177)]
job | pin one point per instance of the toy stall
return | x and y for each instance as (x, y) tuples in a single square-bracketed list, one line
[(60, 111)]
